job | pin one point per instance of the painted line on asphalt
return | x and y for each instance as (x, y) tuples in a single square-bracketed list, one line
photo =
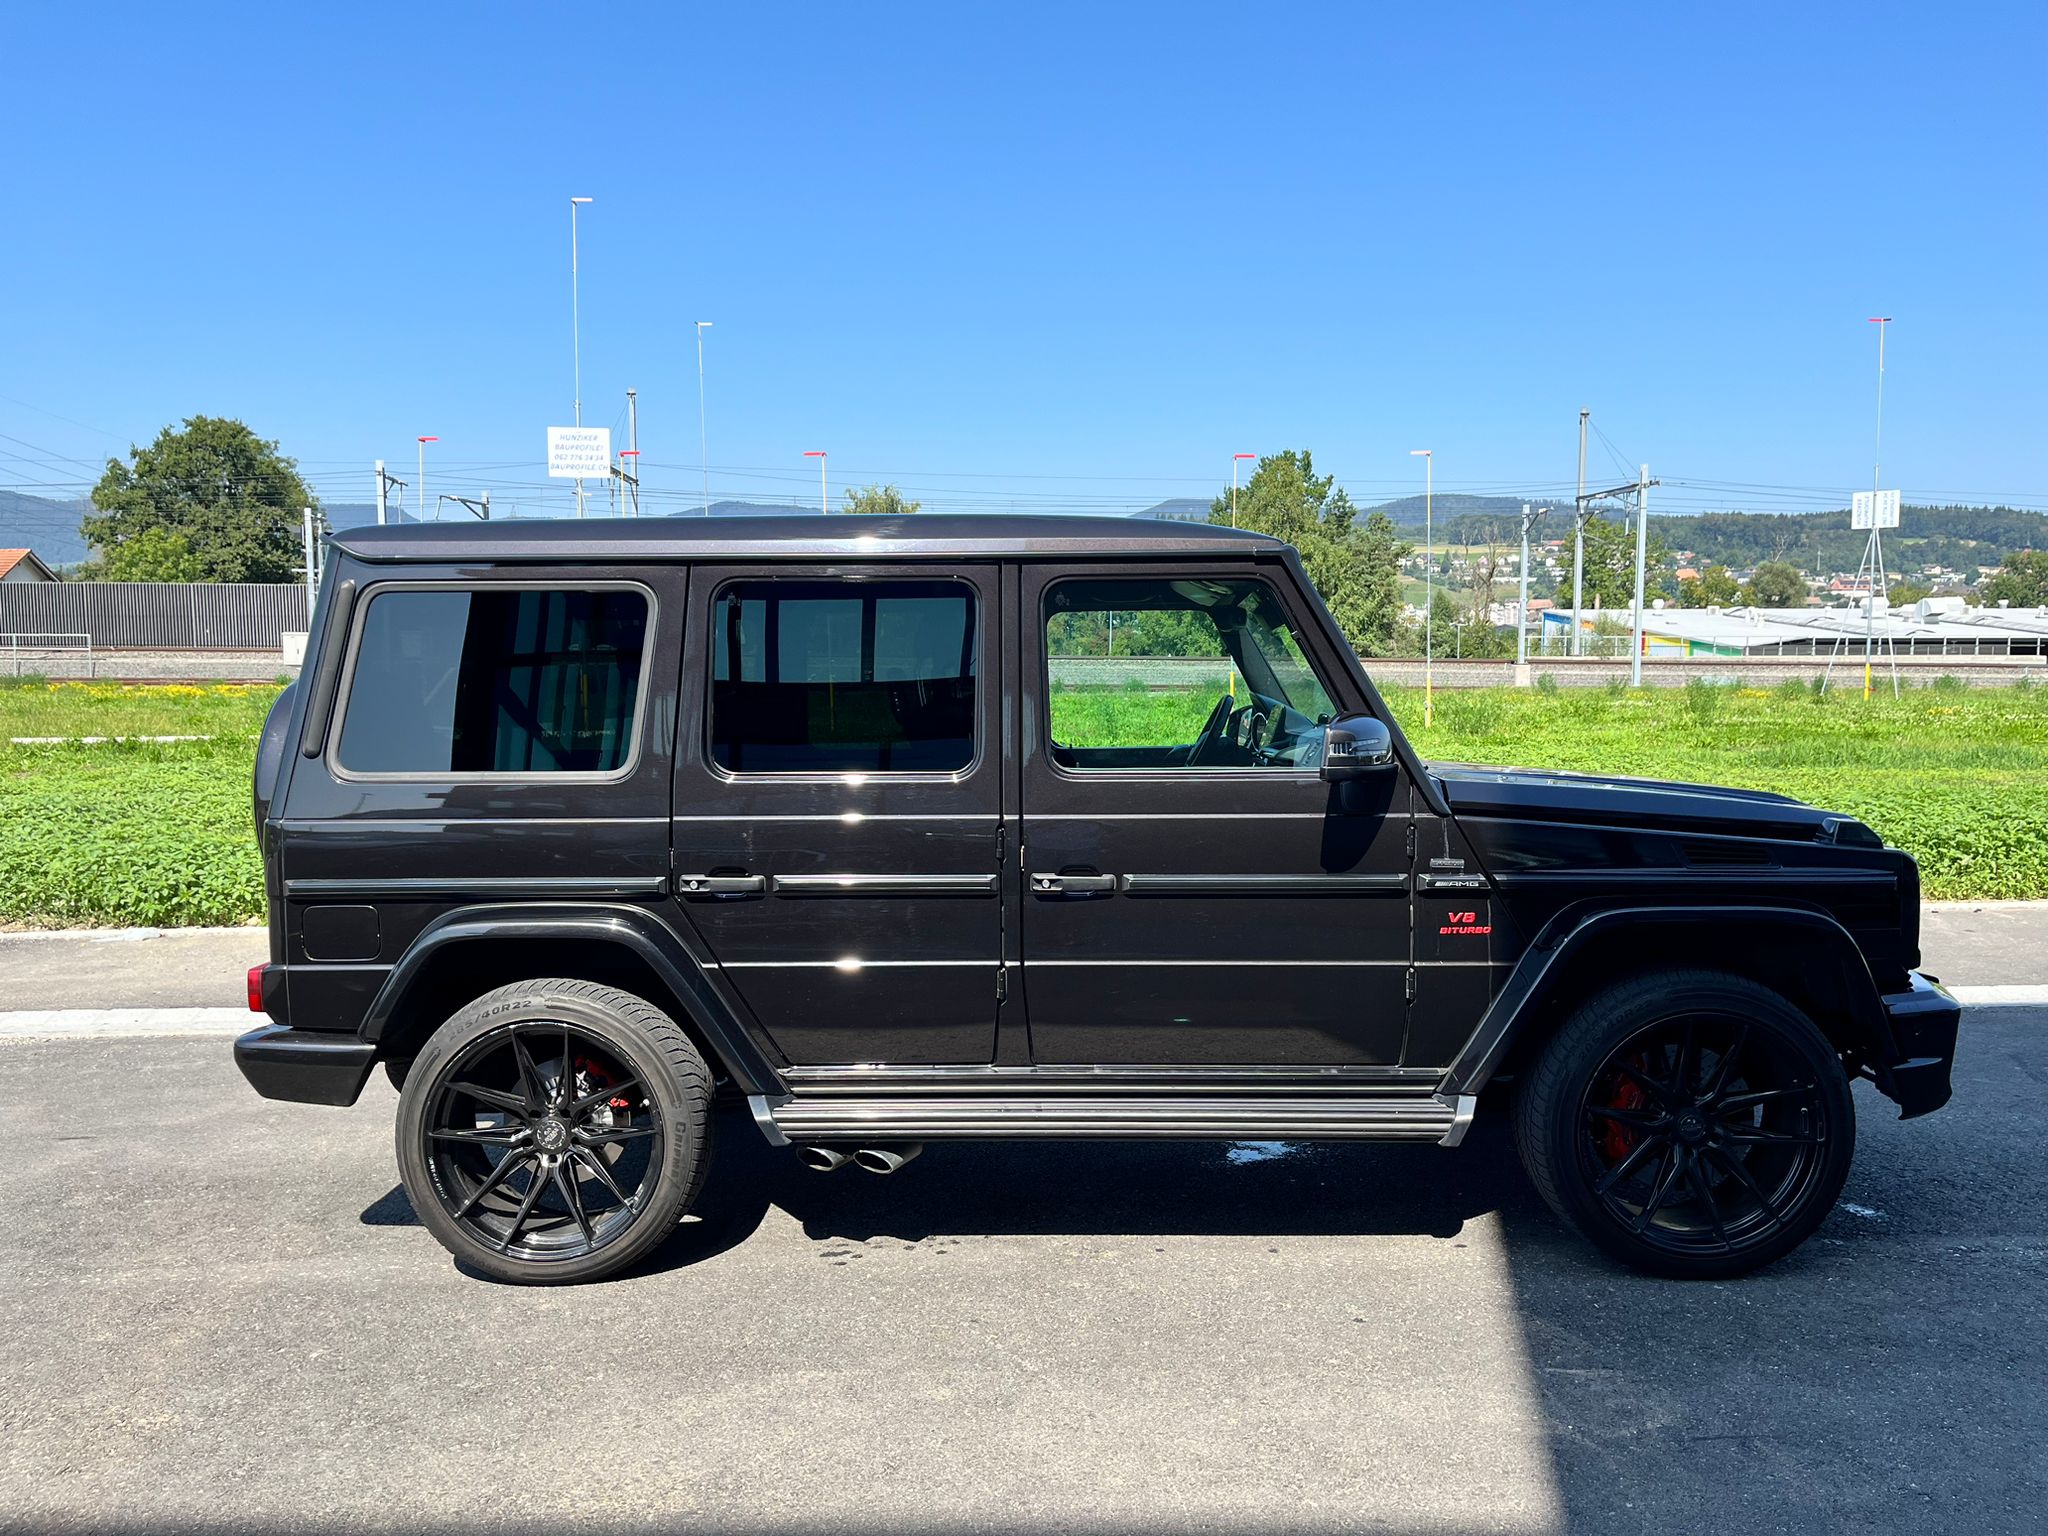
[(175, 1023), (124, 1023)]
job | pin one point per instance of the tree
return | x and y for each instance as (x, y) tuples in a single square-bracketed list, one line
[(1712, 588), (1611, 563), (1286, 498), (1380, 552), (1777, 584), (879, 500), (2022, 580), (1904, 594), (155, 554), (233, 498)]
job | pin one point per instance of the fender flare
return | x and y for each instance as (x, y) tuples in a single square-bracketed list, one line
[(641, 933), (1577, 927)]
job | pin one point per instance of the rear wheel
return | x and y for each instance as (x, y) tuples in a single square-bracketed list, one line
[(554, 1131), (1692, 1124)]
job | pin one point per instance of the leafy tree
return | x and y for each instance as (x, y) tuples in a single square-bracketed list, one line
[(879, 500), (1904, 594), (1712, 588), (154, 554), (1611, 563), (1287, 499), (2021, 580), (1380, 551), (1777, 584), (233, 498)]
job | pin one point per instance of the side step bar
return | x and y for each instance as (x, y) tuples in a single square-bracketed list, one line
[(1442, 1119)]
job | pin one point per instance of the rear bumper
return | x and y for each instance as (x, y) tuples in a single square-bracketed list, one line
[(305, 1066), (1923, 1022)]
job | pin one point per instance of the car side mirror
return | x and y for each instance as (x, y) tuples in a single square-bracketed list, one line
[(1356, 747)]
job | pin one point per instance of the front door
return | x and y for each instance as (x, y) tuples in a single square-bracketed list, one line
[(1192, 894), (838, 803)]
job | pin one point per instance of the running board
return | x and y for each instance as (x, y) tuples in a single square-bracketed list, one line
[(1442, 1120)]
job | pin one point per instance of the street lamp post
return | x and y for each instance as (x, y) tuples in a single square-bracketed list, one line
[(703, 450), (1234, 460), (1428, 584), (576, 328), (824, 497), (420, 503)]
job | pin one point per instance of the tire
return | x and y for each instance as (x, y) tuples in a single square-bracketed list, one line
[(1691, 1124), (554, 1131)]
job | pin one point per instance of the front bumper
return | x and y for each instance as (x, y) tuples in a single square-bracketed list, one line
[(304, 1065), (1923, 1023)]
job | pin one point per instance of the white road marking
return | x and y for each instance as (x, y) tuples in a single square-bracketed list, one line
[(2004, 996), (119, 1023)]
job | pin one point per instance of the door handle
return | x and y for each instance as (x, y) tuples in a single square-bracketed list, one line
[(721, 885), (1072, 885)]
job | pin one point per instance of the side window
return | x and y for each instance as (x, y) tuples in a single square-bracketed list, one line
[(495, 680), (843, 677), (1194, 673)]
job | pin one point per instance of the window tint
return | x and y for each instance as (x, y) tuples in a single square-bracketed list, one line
[(1179, 674), (843, 677), (495, 681)]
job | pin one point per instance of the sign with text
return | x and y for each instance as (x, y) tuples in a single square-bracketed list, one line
[(579, 453), (1874, 509)]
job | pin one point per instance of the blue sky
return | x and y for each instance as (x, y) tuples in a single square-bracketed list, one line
[(1044, 256)]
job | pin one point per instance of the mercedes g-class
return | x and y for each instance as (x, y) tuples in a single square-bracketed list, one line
[(905, 830)]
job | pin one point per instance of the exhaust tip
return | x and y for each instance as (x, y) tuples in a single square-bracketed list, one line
[(887, 1159), (823, 1159)]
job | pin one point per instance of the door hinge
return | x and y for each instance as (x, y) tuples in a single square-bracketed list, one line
[(1002, 983), (1411, 840), (1002, 843), (1411, 983)]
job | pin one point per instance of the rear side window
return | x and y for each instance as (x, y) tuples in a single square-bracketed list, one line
[(843, 677), (495, 680)]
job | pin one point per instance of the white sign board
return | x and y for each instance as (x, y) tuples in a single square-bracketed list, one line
[(1874, 509), (579, 453)]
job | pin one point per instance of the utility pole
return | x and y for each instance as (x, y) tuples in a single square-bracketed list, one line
[(1522, 611), (420, 493), (1579, 539), (1235, 459), (576, 328), (633, 440), (1428, 584), (703, 450), (1876, 533), (824, 498), (479, 509), (1635, 667), (386, 484)]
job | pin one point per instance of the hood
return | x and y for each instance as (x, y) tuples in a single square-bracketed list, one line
[(1544, 794)]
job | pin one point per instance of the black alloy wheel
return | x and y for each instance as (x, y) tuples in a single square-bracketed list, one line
[(1693, 1125), (553, 1131)]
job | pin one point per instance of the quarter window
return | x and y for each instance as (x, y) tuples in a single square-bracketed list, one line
[(498, 681), (843, 677), (1195, 673)]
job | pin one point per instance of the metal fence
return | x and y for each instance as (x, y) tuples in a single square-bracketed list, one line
[(32, 653), (156, 616)]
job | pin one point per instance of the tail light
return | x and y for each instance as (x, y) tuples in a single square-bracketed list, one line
[(256, 988)]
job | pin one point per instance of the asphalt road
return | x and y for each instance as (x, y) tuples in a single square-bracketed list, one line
[(221, 1315)]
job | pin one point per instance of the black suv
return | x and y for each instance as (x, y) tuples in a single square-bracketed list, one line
[(918, 829)]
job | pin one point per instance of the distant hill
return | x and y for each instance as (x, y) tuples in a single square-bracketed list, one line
[(48, 527)]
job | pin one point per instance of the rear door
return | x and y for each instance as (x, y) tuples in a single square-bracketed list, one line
[(1191, 893), (838, 806)]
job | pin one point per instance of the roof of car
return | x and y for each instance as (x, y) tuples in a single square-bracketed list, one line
[(924, 535)]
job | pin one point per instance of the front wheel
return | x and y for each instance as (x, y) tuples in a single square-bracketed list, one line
[(554, 1131), (1691, 1124)]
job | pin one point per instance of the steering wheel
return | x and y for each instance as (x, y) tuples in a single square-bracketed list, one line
[(1215, 731)]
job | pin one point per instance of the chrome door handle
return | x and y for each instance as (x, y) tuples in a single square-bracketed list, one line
[(721, 885), (1072, 885)]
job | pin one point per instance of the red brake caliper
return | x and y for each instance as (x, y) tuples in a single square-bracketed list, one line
[(1616, 1139)]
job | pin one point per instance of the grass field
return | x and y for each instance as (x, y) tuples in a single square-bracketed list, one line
[(158, 833)]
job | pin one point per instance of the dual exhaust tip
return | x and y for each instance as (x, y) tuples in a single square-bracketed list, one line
[(873, 1159)]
